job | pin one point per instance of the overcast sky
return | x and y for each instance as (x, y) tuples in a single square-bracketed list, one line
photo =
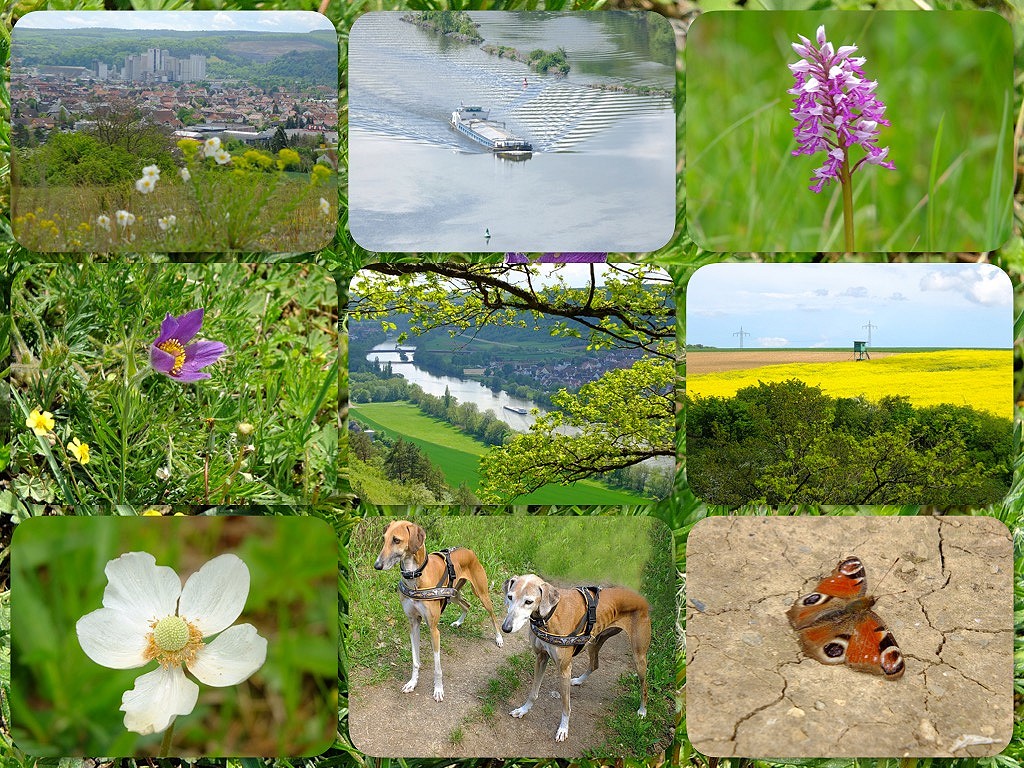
[(829, 305), (189, 21)]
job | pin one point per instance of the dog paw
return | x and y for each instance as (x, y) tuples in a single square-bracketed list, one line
[(457, 623), (520, 712), (642, 712), (498, 641), (438, 693), (409, 687), (562, 733)]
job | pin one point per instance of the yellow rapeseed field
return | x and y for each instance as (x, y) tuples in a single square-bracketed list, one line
[(980, 378)]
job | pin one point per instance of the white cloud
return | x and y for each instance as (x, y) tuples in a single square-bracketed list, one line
[(772, 341), (989, 287), (223, 19)]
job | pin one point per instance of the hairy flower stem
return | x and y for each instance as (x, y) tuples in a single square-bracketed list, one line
[(165, 745), (846, 180)]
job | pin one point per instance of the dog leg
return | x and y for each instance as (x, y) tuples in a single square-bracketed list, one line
[(479, 585), (465, 609), (540, 663), (640, 639), (565, 686), (414, 638), (592, 650), (435, 642)]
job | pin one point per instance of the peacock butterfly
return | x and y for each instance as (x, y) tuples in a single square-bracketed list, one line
[(836, 625)]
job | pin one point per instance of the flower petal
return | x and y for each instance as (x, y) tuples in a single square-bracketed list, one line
[(235, 655), (169, 326), (203, 353), (141, 589), (214, 596), (189, 325), (112, 638), (161, 361), (157, 698), (187, 376)]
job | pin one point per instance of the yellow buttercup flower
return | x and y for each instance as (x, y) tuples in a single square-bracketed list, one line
[(79, 450), (40, 422), (151, 513)]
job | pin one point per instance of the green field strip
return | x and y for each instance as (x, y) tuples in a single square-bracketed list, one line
[(980, 378), (458, 455)]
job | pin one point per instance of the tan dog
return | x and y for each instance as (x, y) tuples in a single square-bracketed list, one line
[(404, 543), (562, 613)]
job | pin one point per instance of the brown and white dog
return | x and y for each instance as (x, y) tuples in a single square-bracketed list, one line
[(529, 597), (404, 543)]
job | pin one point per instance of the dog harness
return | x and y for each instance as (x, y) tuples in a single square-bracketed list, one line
[(579, 636), (444, 590)]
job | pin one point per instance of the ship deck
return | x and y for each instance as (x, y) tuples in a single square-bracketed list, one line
[(487, 130)]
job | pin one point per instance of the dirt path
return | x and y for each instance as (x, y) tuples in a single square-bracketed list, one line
[(716, 362), (384, 722)]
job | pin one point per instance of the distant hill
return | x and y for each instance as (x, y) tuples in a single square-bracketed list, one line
[(308, 57)]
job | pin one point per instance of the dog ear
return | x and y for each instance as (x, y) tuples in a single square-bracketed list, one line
[(416, 537), (505, 589), (548, 599)]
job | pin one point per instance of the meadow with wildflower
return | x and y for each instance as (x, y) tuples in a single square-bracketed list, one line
[(163, 384), (218, 200)]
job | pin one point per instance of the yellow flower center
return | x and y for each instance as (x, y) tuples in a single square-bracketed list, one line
[(173, 641), (174, 347)]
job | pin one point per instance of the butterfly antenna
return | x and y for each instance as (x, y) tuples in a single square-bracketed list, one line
[(886, 574)]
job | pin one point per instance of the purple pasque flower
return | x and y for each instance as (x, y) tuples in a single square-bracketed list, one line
[(171, 353), (835, 108)]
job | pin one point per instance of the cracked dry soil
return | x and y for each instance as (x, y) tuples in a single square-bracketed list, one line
[(384, 722), (948, 601)]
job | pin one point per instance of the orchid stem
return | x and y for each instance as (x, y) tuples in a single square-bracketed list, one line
[(165, 745), (846, 181)]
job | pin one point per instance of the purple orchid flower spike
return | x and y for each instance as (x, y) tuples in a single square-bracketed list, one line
[(835, 108), (172, 355)]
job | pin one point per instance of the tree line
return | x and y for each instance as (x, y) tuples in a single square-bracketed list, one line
[(789, 443)]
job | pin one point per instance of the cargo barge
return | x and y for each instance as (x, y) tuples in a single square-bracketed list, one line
[(472, 121)]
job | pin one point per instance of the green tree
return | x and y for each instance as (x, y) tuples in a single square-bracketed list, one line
[(279, 140)]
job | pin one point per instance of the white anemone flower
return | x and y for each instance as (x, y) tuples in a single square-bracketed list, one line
[(222, 156), (147, 615), (167, 222), (124, 218), (210, 146), (103, 221), (185, 175), (151, 172), (146, 184)]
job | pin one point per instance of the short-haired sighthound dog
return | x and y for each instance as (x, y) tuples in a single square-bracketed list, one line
[(560, 619), (423, 576)]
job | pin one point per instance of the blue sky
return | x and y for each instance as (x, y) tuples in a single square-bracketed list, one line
[(829, 305), (191, 21)]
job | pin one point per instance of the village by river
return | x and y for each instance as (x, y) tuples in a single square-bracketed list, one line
[(465, 390)]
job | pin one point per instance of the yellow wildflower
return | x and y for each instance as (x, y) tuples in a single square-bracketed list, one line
[(321, 173), (287, 157), (40, 422), (152, 513), (79, 450)]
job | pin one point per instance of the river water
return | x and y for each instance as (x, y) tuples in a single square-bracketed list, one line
[(463, 390), (601, 178)]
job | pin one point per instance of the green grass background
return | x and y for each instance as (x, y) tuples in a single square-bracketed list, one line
[(946, 81)]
